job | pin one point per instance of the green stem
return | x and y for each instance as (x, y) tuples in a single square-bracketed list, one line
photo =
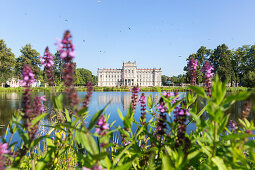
[(215, 139)]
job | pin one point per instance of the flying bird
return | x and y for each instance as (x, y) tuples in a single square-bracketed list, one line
[(129, 28), (66, 20)]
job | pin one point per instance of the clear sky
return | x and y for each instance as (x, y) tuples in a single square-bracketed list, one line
[(154, 33)]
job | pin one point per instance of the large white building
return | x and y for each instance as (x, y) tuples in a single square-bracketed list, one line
[(129, 75)]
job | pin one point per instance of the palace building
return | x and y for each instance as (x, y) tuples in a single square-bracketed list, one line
[(129, 75)]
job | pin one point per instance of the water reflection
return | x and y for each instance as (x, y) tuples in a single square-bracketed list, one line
[(121, 98), (10, 102)]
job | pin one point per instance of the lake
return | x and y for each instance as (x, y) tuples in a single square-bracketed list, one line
[(9, 102)]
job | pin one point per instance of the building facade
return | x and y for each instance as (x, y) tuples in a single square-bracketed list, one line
[(129, 75)]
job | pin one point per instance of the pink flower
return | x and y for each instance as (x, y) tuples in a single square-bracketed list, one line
[(4, 148), (102, 126), (28, 76)]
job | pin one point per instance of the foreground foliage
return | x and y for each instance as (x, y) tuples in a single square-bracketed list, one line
[(71, 143)]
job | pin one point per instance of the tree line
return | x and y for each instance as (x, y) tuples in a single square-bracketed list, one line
[(235, 66), (10, 66)]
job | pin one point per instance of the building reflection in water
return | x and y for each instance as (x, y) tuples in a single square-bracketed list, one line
[(9, 102), (123, 98)]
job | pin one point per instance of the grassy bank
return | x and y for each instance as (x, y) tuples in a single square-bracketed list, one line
[(144, 89)]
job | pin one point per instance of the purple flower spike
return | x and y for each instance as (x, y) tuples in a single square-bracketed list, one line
[(28, 76), (135, 90), (88, 95), (3, 150), (192, 67), (66, 49), (47, 62), (208, 74), (102, 126), (142, 102)]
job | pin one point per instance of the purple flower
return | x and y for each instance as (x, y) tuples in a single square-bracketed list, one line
[(161, 125), (65, 46), (135, 90), (162, 108), (232, 124), (66, 49), (208, 74), (167, 94), (4, 148), (94, 167), (47, 62), (88, 95), (102, 126), (192, 67), (28, 76), (142, 102)]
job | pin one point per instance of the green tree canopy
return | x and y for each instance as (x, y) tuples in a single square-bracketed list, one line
[(28, 56), (7, 62), (221, 59), (83, 76)]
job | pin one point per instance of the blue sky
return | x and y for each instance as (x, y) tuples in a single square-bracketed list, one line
[(151, 32)]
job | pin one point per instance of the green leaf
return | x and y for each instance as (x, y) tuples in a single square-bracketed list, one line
[(123, 167), (198, 115), (41, 165), (38, 118), (237, 136), (68, 119), (219, 162), (128, 120), (193, 154), (150, 101), (87, 141), (37, 140), (166, 165), (223, 123), (95, 118), (237, 97), (199, 90), (120, 114), (58, 100)]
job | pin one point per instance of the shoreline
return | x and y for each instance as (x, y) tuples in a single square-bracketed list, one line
[(114, 89)]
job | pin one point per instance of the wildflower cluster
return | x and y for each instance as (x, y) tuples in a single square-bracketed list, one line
[(142, 102), (88, 95), (3, 150), (208, 74), (192, 67), (28, 76), (135, 90), (66, 49), (102, 126), (161, 125), (47, 62)]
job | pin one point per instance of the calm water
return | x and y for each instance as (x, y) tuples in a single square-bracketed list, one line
[(9, 102)]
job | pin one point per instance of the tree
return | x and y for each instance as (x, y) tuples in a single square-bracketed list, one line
[(84, 76), (57, 69), (94, 80), (237, 61), (7, 62), (249, 79), (29, 56), (164, 80), (221, 59)]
